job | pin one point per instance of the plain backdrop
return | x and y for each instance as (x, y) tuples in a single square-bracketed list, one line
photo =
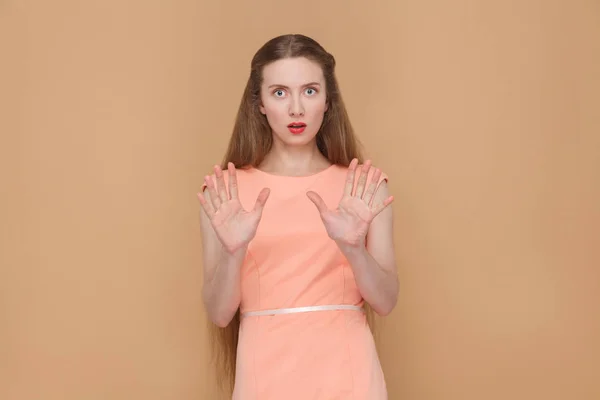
[(485, 115)]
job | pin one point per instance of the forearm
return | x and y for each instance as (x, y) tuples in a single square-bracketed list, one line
[(377, 286), (222, 293)]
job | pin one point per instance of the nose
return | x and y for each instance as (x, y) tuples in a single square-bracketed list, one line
[(296, 108)]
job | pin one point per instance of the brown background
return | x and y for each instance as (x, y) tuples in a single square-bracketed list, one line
[(484, 114)]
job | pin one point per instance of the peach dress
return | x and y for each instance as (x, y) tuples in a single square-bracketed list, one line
[(292, 262)]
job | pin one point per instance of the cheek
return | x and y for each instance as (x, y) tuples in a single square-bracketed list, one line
[(318, 109), (274, 112), (270, 105)]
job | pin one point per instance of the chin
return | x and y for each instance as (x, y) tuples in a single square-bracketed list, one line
[(299, 141), (296, 140)]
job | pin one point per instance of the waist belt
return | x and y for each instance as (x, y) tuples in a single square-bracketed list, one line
[(294, 310)]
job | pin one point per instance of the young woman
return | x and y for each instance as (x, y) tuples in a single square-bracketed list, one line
[(297, 238)]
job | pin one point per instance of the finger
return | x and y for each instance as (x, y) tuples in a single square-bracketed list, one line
[(206, 206), (362, 179), (372, 188), (221, 184), (233, 185), (212, 193), (350, 177), (380, 207), (261, 200), (318, 201)]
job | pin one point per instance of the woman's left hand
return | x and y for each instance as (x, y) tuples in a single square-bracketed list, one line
[(349, 223)]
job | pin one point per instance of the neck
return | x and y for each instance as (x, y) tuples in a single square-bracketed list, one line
[(294, 160)]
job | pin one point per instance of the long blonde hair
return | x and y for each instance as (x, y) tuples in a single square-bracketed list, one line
[(252, 139)]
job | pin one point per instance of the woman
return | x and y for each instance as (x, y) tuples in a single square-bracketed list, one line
[(297, 238)]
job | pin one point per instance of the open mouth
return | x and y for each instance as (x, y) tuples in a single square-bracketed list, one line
[(297, 125), (296, 128)]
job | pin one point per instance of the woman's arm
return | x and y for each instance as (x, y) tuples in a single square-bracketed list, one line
[(374, 264), (221, 291)]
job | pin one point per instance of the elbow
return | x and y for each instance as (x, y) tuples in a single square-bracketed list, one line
[(221, 322), (218, 315), (221, 318), (388, 303), (386, 308)]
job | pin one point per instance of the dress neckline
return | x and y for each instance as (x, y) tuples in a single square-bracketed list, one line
[(300, 177)]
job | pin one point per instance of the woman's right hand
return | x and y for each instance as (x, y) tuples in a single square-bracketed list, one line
[(234, 226)]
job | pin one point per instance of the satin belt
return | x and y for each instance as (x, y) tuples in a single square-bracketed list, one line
[(294, 310)]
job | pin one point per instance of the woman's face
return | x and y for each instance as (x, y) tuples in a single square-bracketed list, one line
[(293, 98)]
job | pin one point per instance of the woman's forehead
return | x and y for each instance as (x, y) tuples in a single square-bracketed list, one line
[(292, 72)]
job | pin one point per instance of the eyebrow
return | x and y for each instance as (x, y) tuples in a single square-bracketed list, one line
[(285, 87)]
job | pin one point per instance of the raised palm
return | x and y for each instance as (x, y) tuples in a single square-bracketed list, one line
[(235, 227), (349, 223)]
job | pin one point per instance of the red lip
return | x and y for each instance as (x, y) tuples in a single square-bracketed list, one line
[(297, 128)]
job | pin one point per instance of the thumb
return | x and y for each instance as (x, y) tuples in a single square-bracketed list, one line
[(261, 199), (318, 201)]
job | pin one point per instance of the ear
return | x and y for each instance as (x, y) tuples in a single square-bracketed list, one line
[(262, 109)]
